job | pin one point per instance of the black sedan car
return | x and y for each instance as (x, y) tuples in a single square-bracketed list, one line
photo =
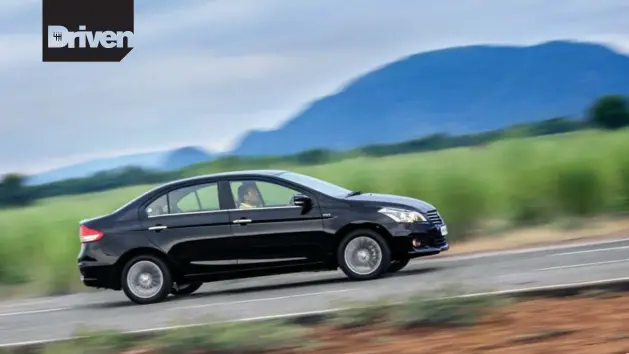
[(175, 237)]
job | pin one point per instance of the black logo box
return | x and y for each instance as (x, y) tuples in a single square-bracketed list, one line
[(96, 15)]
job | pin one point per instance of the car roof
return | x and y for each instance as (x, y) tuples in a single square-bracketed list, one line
[(241, 173)]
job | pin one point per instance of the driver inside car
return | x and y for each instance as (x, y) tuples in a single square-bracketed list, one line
[(248, 197)]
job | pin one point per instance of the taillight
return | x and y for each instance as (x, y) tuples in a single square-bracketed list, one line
[(89, 235)]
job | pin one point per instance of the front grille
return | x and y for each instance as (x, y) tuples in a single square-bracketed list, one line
[(439, 241), (434, 217)]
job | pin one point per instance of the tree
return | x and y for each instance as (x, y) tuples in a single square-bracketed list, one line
[(610, 112), (13, 192)]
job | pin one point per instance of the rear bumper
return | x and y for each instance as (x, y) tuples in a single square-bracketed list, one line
[(95, 273), (97, 276)]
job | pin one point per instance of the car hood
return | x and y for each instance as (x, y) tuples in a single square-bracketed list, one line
[(393, 201)]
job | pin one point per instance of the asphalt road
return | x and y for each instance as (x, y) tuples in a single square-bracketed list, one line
[(60, 317)]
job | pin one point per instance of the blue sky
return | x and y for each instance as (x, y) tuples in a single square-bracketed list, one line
[(203, 72)]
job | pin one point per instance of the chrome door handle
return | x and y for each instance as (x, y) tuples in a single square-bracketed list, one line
[(158, 227), (242, 221)]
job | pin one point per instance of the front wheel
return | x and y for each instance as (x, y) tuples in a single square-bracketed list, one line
[(364, 255), (186, 289), (146, 279)]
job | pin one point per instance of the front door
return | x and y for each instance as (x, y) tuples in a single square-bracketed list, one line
[(270, 230), (190, 226)]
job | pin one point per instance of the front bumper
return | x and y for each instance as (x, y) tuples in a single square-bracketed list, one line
[(419, 239)]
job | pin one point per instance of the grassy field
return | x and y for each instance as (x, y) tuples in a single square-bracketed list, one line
[(511, 183)]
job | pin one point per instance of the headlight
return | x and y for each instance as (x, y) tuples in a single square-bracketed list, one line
[(402, 215)]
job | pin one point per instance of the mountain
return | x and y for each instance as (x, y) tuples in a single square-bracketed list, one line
[(456, 90), (158, 161)]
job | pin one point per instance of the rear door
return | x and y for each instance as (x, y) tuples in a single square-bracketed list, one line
[(189, 224), (277, 233)]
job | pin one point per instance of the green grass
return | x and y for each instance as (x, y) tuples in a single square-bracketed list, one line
[(254, 337), (519, 181)]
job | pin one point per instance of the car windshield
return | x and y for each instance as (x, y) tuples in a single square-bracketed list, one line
[(316, 184)]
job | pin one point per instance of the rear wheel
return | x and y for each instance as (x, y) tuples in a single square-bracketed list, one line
[(146, 279), (364, 255), (398, 265), (186, 289)]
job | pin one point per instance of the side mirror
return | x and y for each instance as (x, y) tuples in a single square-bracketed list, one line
[(302, 200)]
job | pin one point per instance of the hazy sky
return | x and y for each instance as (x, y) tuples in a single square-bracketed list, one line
[(203, 72)]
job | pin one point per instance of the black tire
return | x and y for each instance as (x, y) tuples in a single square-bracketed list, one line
[(166, 285), (187, 289), (384, 250), (398, 265)]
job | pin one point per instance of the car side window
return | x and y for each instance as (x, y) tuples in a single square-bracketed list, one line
[(191, 199), (194, 199), (259, 194), (158, 207)]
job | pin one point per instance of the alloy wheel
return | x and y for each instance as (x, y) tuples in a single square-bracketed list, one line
[(363, 255), (145, 279)]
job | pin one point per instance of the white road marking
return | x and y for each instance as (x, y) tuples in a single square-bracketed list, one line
[(24, 303), (591, 251), (544, 287), (584, 265), (21, 313), (246, 319), (489, 254), (36, 342), (261, 299)]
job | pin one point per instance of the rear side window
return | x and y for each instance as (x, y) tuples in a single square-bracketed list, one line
[(158, 207), (197, 198), (194, 199)]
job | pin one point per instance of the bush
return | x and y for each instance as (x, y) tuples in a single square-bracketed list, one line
[(363, 315), (623, 179), (231, 338), (461, 200), (444, 311), (610, 112), (12, 265), (579, 191)]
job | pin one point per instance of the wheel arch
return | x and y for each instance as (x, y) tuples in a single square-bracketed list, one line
[(141, 251), (358, 225)]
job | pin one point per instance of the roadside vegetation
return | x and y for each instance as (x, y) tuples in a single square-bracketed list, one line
[(14, 192)]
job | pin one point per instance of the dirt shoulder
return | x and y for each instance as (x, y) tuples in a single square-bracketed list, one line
[(577, 325)]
